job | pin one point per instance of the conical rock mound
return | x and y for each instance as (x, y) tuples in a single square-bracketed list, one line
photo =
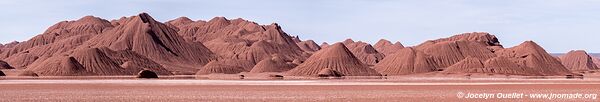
[(272, 65), (386, 47), (534, 58), (578, 61), (219, 67), (338, 58), (406, 61), (364, 52), (60, 66), (181, 21), (309, 46)]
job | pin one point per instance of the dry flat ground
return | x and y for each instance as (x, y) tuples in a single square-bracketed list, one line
[(173, 90)]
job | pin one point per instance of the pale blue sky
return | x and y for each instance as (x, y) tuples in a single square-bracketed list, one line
[(557, 25)]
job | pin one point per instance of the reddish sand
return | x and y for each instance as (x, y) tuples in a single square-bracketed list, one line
[(268, 90)]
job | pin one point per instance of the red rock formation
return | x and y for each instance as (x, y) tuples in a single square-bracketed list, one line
[(4, 65), (468, 64), (39, 53), (96, 61), (85, 26), (596, 61), (60, 66), (155, 41), (133, 62), (59, 38), (496, 65), (309, 46), (252, 51), (220, 67), (274, 64), (242, 39), (557, 58), (7, 46), (364, 52), (93, 46), (534, 58), (578, 61), (479, 37), (406, 61), (338, 58), (450, 52), (296, 39), (324, 45), (21, 61), (386, 47), (179, 22), (503, 65), (128, 45), (220, 27)]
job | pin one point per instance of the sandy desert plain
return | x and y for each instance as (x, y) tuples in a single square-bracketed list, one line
[(137, 58), (192, 88)]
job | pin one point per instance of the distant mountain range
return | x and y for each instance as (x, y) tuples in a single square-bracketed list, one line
[(94, 46)]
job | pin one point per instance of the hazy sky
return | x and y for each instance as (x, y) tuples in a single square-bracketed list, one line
[(557, 25)]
